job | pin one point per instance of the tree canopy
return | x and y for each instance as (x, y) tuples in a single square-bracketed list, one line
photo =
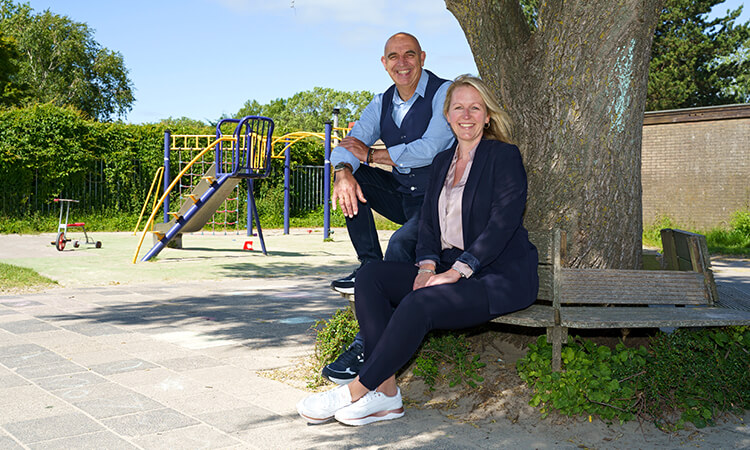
[(308, 110), (61, 63), (696, 61)]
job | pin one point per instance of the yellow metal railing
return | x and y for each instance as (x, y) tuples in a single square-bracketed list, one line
[(150, 220), (157, 176)]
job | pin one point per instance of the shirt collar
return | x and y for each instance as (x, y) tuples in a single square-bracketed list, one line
[(421, 88)]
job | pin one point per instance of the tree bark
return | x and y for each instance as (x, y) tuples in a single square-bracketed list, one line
[(575, 86)]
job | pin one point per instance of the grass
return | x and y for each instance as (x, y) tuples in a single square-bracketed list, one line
[(734, 240), (14, 278)]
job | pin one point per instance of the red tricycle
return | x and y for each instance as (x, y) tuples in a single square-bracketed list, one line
[(62, 227)]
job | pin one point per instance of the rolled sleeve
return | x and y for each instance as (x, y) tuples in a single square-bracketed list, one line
[(367, 130)]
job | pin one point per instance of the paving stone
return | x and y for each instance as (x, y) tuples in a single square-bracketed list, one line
[(125, 365), (20, 349), (241, 419), (93, 441), (40, 356), (149, 422), (70, 381), (190, 363), (19, 302), (102, 408), (94, 329), (48, 370), (26, 326), (7, 443), (8, 381), (100, 390), (199, 436), (44, 429)]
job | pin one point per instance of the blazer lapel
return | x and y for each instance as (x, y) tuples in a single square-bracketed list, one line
[(471, 190)]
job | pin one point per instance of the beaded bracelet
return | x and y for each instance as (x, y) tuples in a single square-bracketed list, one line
[(432, 271)]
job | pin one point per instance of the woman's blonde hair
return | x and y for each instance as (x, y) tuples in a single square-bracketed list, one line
[(500, 126)]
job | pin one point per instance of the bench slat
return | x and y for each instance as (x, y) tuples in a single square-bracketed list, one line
[(589, 286), (654, 317), (533, 316), (545, 282), (544, 242)]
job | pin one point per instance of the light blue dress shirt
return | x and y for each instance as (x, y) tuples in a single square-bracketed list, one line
[(418, 153)]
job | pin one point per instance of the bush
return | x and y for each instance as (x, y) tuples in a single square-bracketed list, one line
[(333, 336), (452, 352), (696, 374)]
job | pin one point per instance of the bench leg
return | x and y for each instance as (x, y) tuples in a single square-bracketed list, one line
[(557, 336)]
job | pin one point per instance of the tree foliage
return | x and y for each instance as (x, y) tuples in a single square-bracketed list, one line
[(696, 61), (308, 110), (61, 63), (11, 89)]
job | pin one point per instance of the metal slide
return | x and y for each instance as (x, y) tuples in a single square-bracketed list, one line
[(249, 157), (210, 193)]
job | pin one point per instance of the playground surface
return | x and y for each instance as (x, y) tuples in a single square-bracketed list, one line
[(166, 354)]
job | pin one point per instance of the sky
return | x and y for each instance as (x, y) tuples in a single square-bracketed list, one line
[(203, 59)]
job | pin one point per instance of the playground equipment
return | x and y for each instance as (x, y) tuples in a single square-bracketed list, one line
[(62, 228), (248, 157)]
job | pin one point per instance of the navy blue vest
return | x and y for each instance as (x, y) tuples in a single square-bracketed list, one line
[(412, 128)]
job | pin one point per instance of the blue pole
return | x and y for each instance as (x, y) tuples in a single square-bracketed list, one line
[(287, 175), (327, 182), (167, 180), (249, 208)]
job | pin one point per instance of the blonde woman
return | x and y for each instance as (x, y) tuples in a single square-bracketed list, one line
[(475, 261)]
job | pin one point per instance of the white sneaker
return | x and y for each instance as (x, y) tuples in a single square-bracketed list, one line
[(320, 407), (373, 407)]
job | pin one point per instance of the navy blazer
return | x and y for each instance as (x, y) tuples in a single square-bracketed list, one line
[(496, 245)]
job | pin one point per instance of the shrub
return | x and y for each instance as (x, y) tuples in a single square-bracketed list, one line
[(696, 374)]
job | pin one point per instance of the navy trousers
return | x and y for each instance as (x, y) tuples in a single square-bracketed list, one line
[(380, 189), (394, 319)]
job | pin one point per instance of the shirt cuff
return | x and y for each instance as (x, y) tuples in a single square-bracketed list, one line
[(463, 269), (426, 261)]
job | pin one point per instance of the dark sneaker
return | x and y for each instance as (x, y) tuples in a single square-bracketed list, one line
[(344, 285), (347, 365)]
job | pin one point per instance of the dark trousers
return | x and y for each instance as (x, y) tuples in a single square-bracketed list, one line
[(394, 319), (380, 189)]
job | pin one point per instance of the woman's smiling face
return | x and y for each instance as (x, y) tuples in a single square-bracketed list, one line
[(467, 114)]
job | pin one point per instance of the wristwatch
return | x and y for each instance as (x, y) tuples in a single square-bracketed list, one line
[(342, 166)]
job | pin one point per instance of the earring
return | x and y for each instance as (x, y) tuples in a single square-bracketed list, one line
[(487, 125)]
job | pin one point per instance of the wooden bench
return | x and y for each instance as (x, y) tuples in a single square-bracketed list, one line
[(615, 298)]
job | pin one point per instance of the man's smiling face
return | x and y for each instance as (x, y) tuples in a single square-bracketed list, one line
[(403, 60)]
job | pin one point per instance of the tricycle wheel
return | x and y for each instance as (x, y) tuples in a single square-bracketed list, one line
[(60, 241), (76, 244), (98, 244)]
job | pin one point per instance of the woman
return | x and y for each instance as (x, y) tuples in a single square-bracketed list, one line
[(475, 261)]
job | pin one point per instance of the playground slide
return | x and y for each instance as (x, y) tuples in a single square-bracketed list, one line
[(210, 193)]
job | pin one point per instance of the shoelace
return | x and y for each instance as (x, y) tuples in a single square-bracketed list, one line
[(333, 398), (351, 355)]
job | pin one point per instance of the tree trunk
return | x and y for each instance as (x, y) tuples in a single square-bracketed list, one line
[(575, 87)]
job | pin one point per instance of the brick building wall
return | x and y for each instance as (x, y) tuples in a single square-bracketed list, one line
[(696, 165)]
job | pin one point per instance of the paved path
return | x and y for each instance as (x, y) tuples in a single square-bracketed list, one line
[(167, 354)]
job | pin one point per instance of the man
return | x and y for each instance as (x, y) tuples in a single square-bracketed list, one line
[(408, 119)]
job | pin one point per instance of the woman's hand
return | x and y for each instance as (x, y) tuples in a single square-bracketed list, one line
[(447, 277), (421, 280)]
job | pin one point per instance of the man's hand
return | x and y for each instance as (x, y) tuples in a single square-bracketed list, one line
[(355, 147), (346, 192), (447, 277)]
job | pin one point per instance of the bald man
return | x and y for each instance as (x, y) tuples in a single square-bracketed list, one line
[(408, 119)]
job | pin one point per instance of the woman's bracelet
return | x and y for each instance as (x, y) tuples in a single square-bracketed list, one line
[(425, 270)]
